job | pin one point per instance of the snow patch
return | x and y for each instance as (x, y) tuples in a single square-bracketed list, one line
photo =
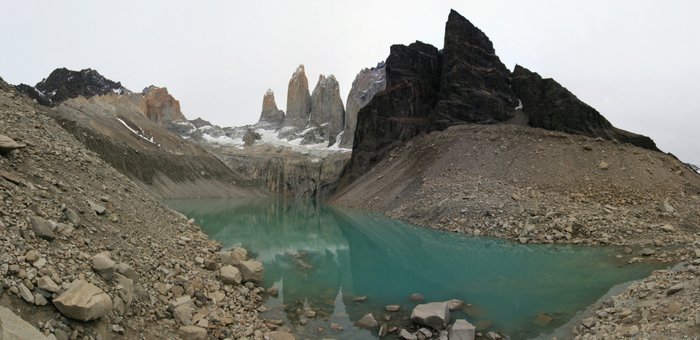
[(150, 140), (520, 105)]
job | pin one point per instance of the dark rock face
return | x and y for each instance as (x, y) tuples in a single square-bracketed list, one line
[(428, 90), (366, 85), (474, 85), (63, 84), (551, 106), (402, 110), (33, 93)]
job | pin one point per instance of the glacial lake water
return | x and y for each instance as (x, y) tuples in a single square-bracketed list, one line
[(322, 257)]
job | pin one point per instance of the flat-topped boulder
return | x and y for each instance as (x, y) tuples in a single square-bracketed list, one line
[(83, 301), (435, 315)]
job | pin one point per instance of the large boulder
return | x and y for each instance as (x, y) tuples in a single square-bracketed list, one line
[(252, 271), (83, 301), (12, 327), (7, 144), (462, 330), (42, 228), (230, 275), (435, 315)]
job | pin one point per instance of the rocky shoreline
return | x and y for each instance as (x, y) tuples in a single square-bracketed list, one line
[(70, 224)]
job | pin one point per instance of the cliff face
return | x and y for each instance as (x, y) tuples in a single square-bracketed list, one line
[(298, 99), (327, 108), (159, 106), (474, 85), (466, 82), (366, 85)]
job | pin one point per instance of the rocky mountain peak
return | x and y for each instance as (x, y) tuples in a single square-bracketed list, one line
[(367, 83), (63, 84), (298, 99), (270, 113), (327, 107), (160, 106)]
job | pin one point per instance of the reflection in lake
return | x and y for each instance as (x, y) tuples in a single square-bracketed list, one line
[(322, 258)]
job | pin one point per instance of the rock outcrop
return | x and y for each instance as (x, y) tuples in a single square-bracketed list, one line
[(474, 85), (428, 90), (12, 327), (327, 108), (159, 106), (298, 99), (63, 84), (550, 106), (366, 85), (270, 114)]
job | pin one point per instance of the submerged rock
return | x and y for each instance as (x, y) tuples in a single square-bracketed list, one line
[(462, 330), (367, 322)]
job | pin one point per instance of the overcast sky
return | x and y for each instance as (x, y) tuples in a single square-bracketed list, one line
[(635, 61)]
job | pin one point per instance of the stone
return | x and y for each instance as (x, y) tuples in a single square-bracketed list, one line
[(405, 334), (104, 265), (47, 284), (31, 256), (234, 256), (281, 335), (270, 113), (252, 271), (128, 271), (362, 298), (455, 304), (72, 216), (417, 297), (367, 322), (543, 320), (40, 300), (42, 228), (462, 330), (7, 144), (183, 314), (97, 208), (603, 165), (668, 228), (12, 327), (25, 293), (191, 332), (435, 315), (298, 99), (647, 252), (230, 275), (392, 308), (675, 289), (83, 301), (666, 208), (182, 300)]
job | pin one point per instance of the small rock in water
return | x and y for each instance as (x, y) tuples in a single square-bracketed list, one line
[(647, 252), (404, 334), (455, 304), (462, 330), (359, 298), (336, 327), (367, 322), (435, 315), (392, 308), (418, 297), (543, 320)]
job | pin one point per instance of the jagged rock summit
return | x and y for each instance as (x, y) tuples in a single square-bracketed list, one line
[(428, 89), (298, 99), (270, 113), (159, 105), (327, 108), (367, 83), (63, 84)]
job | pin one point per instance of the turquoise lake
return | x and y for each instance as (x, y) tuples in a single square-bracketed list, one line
[(321, 257)]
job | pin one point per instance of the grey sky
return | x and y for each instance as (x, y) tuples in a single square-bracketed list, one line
[(635, 61)]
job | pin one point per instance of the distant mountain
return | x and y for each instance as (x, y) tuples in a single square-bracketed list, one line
[(63, 84)]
